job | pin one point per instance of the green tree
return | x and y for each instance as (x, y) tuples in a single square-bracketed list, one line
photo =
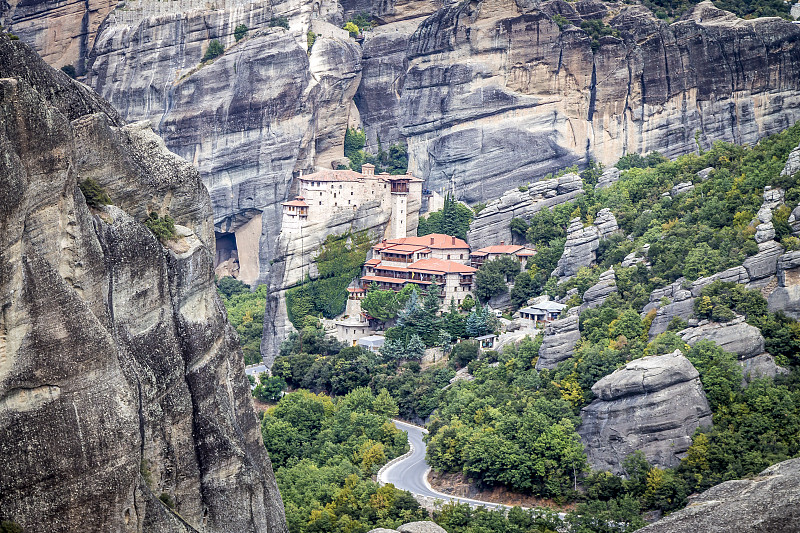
[(380, 304), (214, 50), (240, 31), (96, 196)]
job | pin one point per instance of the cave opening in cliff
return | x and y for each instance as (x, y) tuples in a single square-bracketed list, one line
[(226, 262)]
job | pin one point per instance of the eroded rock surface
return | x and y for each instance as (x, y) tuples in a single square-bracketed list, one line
[(120, 378), (560, 338), (736, 336), (770, 502), (652, 404), (491, 225), (786, 297)]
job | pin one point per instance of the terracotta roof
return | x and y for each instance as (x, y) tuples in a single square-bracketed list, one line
[(502, 249), (397, 281), (372, 262), (355, 289), (434, 240), (404, 248), (297, 202), (441, 265), (333, 175)]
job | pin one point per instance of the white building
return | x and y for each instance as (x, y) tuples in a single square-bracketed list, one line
[(327, 192), (545, 311)]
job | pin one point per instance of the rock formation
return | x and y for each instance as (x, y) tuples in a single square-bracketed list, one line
[(652, 404), (560, 338), (597, 293), (495, 92), (580, 250), (609, 177), (413, 527), (123, 401), (491, 225), (767, 503), (786, 296), (736, 336)]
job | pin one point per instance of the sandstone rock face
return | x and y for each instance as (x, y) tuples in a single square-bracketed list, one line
[(496, 94), (120, 378), (653, 404), (413, 527), (560, 338), (491, 225), (682, 307), (61, 32), (786, 297), (767, 503), (597, 293), (736, 336), (580, 250)]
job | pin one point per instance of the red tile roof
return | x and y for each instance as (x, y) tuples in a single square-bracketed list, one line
[(441, 265), (434, 240), (333, 175), (372, 262), (502, 249), (397, 281)]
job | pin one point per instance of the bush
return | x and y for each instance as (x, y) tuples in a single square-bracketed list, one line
[(311, 37), (352, 28), (167, 500), (215, 49), (162, 227), (279, 22), (69, 70), (95, 195), (241, 30), (561, 21)]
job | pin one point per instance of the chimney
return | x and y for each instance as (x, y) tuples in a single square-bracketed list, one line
[(454, 241), (502, 243), (431, 240)]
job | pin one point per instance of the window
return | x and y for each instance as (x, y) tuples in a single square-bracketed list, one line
[(334, 195), (462, 256), (351, 193), (320, 203), (448, 256), (320, 193)]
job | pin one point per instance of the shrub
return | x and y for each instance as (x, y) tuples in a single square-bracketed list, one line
[(241, 30), (561, 21), (95, 195), (352, 28), (215, 49), (279, 22), (69, 70), (311, 37), (162, 227), (167, 500)]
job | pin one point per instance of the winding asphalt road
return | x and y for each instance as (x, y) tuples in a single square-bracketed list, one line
[(411, 473)]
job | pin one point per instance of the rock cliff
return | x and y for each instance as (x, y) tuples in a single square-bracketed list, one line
[(491, 225), (767, 503), (123, 401), (560, 338), (580, 249), (652, 404)]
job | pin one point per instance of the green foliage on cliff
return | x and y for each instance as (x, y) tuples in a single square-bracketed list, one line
[(240, 31), (597, 29), (214, 50), (324, 454), (395, 161), (491, 278), (162, 227), (338, 263), (453, 219), (671, 9), (96, 196), (246, 314), (69, 70)]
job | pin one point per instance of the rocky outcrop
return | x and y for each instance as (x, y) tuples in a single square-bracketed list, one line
[(792, 166), (736, 336), (609, 177), (61, 32), (413, 527), (580, 250), (597, 293), (122, 384), (653, 404), (765, 503), (786, 297), (491, 225), (682, 306), (681, 188), (560, 338)]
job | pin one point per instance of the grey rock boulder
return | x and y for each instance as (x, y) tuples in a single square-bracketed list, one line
[(768, 503), (560, 338), (736, 336), (609, 177), (681, 188), (765, 263), (792, 163), (764, 232), (683, 309), (786, 296), (653, 404), (421, 527), (597, 293)]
